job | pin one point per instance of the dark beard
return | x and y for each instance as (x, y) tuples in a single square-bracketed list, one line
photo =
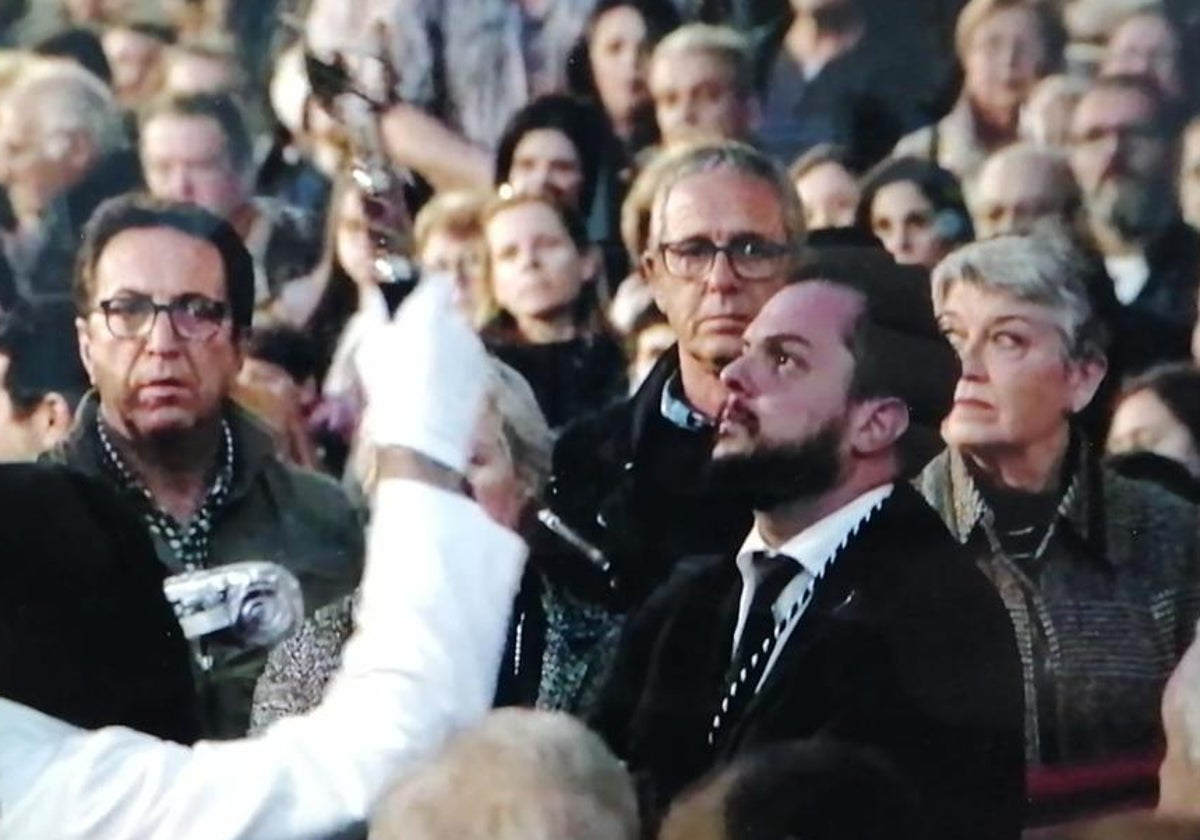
[(1136, 210), (772, 475)]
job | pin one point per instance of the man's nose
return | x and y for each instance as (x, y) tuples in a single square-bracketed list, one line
[(733, 376), (721, 275), (162, 337)]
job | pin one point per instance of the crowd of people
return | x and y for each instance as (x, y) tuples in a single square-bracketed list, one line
[(740, 419)]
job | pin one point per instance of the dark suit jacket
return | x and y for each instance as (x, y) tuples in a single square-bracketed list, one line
[(905, 647)]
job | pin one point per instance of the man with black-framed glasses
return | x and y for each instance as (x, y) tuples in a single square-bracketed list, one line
[(720, 230), (165, 293)]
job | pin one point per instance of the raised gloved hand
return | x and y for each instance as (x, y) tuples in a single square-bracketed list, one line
[(425, 375)]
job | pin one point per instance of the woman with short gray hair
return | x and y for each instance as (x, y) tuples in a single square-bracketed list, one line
[(1100, 573)]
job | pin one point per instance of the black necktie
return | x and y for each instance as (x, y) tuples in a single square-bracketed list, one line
[(759, 635)]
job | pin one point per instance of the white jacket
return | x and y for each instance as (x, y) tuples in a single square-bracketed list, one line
[(439, 581)]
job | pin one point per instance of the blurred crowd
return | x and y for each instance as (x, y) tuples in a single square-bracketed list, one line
[(902, 285)]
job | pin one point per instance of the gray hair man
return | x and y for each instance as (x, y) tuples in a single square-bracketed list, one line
[(717, 231), (63, 151)]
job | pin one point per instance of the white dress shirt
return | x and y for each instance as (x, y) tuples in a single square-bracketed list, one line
[(812, 549), (439, 581)]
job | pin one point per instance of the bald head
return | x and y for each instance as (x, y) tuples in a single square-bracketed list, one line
[(1020, 186)]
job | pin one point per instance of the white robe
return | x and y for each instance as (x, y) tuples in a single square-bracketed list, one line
[(439, 581)]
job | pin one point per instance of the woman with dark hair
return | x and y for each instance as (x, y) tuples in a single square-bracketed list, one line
[(562, 146), (608, 64), (1159, 412), (916, 209), (541, 273)]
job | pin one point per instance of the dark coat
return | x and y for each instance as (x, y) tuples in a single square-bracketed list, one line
[(905, 648), (633, 485), (86, 634), (275, 512)]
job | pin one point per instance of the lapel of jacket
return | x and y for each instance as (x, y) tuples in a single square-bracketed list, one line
[(834, 593)]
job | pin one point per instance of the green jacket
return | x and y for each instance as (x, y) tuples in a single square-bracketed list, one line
[(276, 512)]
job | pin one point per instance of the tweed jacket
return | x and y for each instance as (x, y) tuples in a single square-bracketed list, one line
[(1112, 611)]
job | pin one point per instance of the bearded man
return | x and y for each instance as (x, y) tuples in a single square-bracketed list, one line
[(848, 612)]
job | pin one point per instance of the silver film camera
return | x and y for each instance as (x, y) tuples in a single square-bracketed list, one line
[(250, 605)]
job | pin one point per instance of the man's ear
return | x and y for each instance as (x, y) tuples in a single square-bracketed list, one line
[(85, 347), (877, 425), (1083, 379), (54, 419)]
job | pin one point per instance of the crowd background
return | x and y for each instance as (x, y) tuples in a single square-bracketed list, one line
[(521, 142)]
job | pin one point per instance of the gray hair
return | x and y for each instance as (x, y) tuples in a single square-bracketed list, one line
[(520, 775), (65, 97), (705, 157), (1043, 268), (526, 432)]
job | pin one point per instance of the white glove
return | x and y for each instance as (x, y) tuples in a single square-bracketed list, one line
[(425, 375)]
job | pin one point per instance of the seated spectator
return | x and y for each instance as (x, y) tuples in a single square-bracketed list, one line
[(1020, 186), (41, 379), (164, 294), (827, 187), (848, 611), (1004, 47), (1145, 43), (65, 151), (195, 148), (702, 83), (1131, 207), (916, 209), (609, 65), (135, 53), (560, 146), (550, 327), (519, 775), (1159, 412), (1098, 572), (420, 667), (1046, 116), (561, 639), (818, 789), (448, 237)]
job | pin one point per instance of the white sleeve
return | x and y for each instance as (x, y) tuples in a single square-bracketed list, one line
[(437, 590)]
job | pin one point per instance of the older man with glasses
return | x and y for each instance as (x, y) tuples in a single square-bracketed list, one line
[(722, 227), (164, 293)]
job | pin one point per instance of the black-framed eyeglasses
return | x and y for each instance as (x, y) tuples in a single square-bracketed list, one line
[(751, 257), (193, 317)]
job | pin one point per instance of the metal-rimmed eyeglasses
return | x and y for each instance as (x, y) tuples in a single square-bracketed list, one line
[(193, 317), (750, 257)]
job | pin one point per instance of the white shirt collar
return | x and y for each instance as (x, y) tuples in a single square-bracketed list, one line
[(815, 545), (813, 548)]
